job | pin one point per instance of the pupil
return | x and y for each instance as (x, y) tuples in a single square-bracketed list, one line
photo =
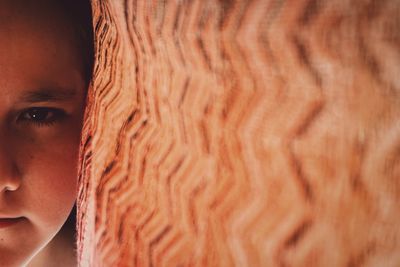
[(38, 114)]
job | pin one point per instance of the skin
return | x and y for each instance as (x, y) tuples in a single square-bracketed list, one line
[(41, 107)]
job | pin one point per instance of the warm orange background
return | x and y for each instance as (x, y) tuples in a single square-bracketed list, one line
[(242, 133)]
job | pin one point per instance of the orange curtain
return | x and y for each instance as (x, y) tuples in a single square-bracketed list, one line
[(242, 133)]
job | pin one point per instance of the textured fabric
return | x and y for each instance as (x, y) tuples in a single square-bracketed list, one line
[(242, 133)]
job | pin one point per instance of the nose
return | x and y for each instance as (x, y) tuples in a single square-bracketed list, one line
[(9, 184), (10, 179)]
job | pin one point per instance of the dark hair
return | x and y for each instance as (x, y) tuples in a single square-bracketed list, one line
[(79, 12)]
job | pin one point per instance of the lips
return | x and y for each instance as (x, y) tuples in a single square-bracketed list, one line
[(7, 222)]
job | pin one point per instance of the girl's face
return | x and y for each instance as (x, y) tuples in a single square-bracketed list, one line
[(41, 105)]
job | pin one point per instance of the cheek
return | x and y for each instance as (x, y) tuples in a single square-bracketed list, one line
[(51, 178)]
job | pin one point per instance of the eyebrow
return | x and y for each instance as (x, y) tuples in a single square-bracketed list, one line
[(48, 95)]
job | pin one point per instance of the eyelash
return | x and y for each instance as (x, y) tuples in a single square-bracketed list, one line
[(56, 116)]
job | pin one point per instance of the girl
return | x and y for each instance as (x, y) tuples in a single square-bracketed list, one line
[(45, 68)]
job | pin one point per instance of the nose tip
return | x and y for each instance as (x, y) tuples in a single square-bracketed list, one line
[(9, 184), (10, 177), (9, 180)]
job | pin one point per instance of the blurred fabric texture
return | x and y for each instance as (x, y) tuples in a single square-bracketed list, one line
[(242, 133)]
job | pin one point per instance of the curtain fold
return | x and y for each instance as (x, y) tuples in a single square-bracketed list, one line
[(242, 133)]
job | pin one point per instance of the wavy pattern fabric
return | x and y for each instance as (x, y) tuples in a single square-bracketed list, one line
[(242, 133)]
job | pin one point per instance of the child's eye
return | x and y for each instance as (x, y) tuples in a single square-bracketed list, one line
[(41, 116)]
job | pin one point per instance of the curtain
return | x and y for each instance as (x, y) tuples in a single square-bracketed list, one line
[(242, 133)]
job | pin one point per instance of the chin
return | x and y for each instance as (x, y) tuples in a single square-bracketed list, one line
[(14, 259), (20, 251)]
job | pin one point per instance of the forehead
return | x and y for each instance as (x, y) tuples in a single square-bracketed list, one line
[(37, 46)]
